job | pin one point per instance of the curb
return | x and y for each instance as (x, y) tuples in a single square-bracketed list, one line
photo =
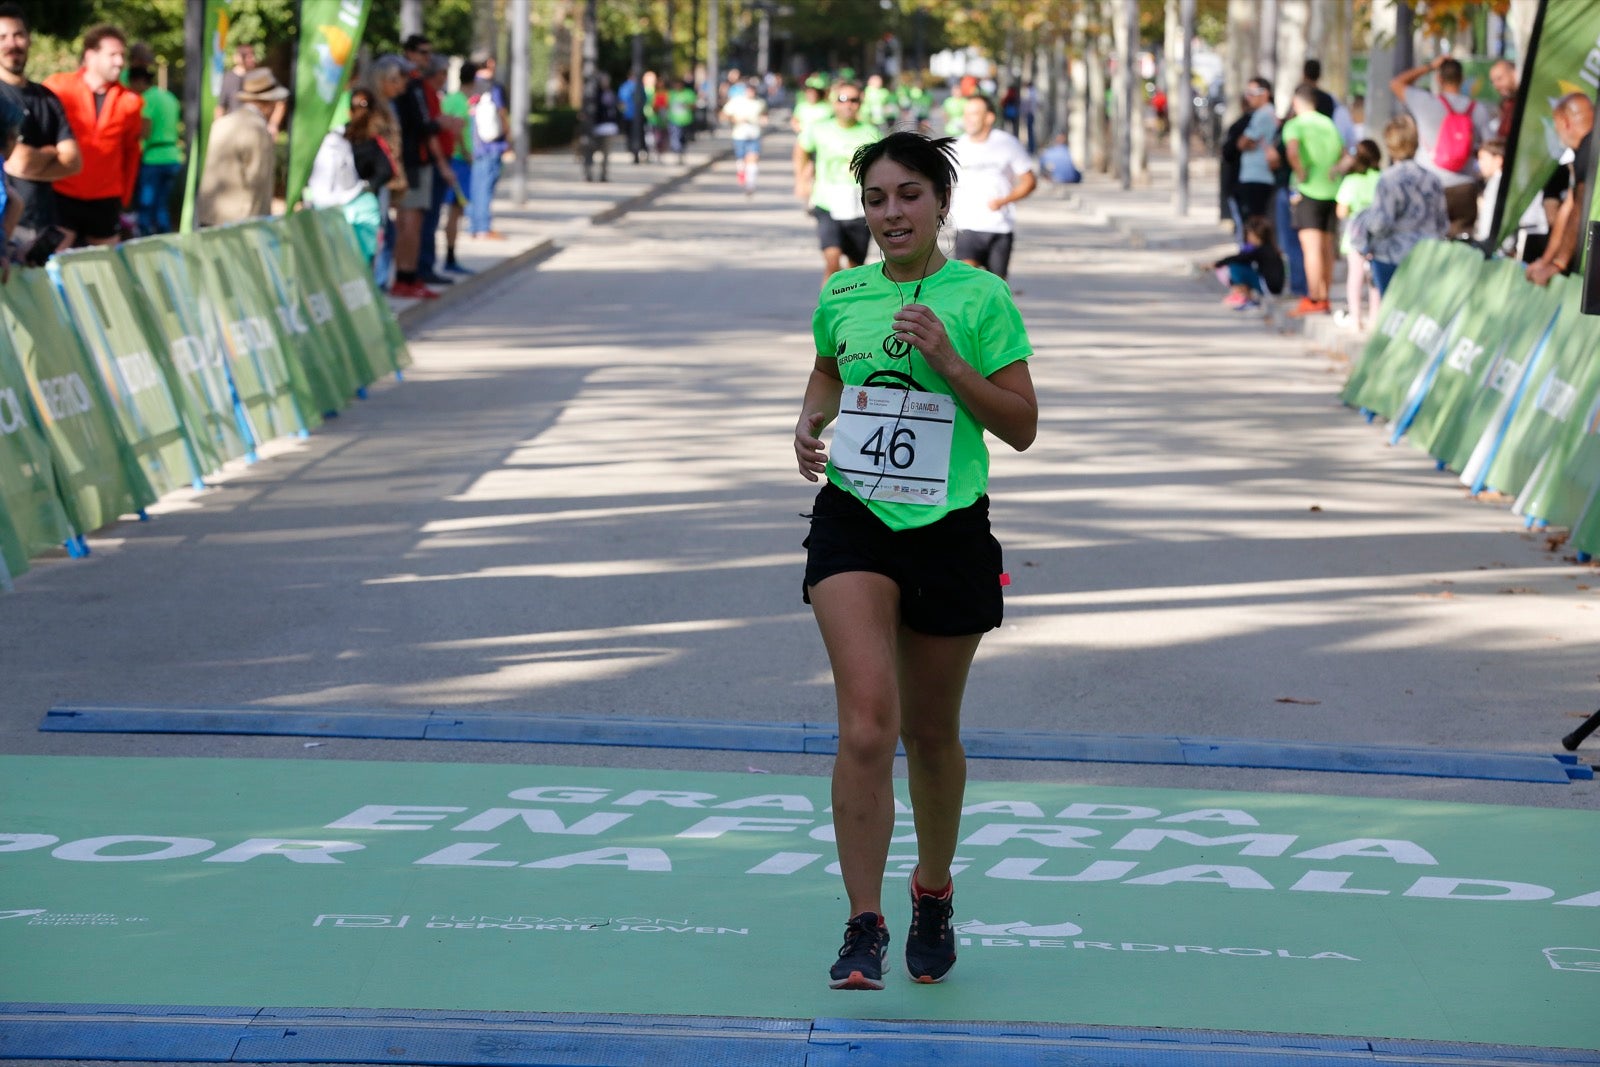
[(420, 313)]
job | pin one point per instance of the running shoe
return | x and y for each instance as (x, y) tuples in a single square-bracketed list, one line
[(411, 291), (931, 944), (1236, 300), (1246, 305), (866, 946), (1307, 306)]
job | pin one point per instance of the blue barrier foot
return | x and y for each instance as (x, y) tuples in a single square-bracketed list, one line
[(1439, 465), (399, 377), (198, 484), (1368, 414), (1583, 557), (303, 434), (74, 549), (361, 393), (1541, 524), (144, 516), (330, 414)]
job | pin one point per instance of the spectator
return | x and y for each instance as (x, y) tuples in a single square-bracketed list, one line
[(419, 139), (1228, 172), (1030, 105), (1356, 192), (46, 150), (1491, 162), (1574, 120), (107, 119), (162, 159), (236, 182), (335, 183), (1010, 111), (1256, 184), (376, 164), (244, 61), (1056, 161), (628, 100), (1328, 104), (1314, 147), (993, 172), (1450, 126), (604, 122), (11, 119), (458, 107), (1257, 267), (1283, 212), (435, 72), (680, 116), (490, 121), (1408, 206), (1503, 76)]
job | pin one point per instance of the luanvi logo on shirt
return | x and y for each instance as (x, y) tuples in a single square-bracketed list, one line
[(845, 288)]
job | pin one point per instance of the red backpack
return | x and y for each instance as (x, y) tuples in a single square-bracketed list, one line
[(1454, 146)]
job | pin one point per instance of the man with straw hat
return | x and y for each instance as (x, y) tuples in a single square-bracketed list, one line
[(237, 180)]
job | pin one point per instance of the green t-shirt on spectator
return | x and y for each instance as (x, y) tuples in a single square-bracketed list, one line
[(162, 109), (458, 105), (833, 187), (1356, 193), (1321, 147), (680, 107)]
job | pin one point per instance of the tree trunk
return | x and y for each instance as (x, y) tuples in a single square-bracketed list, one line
[(1244, 51), (1294, 29)]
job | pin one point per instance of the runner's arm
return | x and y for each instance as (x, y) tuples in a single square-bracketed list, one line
[(820, 407), (805, 172)]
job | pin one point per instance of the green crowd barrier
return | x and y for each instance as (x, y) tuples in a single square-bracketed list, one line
[(310, 264), (1511, 450), (310, 324), (98, 478), (255, 358), (1439, 278), (1486, 344), (1586, 531), (32, 519), (298, 380), (1558, 394), (379, 331), (99, 294), (195, 354)]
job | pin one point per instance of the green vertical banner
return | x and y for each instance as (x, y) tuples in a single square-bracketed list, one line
[(97, 475), (216, 17), (32, 518), (97, 290), (261, 373), (1557, 64), (330, 34), (189, 347)]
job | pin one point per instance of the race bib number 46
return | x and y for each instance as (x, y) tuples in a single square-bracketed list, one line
[(893, 444)]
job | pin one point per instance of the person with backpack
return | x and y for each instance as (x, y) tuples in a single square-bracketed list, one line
[(490, 122), (1450, 127)]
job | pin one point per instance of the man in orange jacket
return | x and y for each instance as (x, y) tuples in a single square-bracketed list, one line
[(108, 121)]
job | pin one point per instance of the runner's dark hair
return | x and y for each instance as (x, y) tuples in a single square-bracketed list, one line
[(15, 13), (932, 157)]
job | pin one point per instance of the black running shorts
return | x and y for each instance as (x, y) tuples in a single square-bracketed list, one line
[(850, 236), (991, 251), (948, 571)]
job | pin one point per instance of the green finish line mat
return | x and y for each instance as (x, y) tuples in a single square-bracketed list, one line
[(497, 888)]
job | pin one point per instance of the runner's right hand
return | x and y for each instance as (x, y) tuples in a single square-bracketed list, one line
[(808, 447)]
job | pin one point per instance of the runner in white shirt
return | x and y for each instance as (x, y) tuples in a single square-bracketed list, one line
[(746, 112), (994, 172)]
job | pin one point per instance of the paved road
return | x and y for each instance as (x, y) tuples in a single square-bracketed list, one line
[(582, 499)]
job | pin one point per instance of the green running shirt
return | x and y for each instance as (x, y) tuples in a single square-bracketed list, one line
[(854, 316), (834, 189)]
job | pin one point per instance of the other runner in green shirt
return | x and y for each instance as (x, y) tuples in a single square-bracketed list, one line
[(822, 179)]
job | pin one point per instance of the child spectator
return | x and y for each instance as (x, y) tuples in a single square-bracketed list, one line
[(1256, 266), (1491, 163), (1356, 192), (1056, 161)]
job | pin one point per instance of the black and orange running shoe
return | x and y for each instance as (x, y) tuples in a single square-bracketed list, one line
[(866, 946), (931, 944)]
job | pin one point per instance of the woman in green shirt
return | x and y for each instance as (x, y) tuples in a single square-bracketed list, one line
[(915, 358)]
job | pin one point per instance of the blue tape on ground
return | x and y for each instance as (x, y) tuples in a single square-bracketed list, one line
[(811, 738), (187, 1035)]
